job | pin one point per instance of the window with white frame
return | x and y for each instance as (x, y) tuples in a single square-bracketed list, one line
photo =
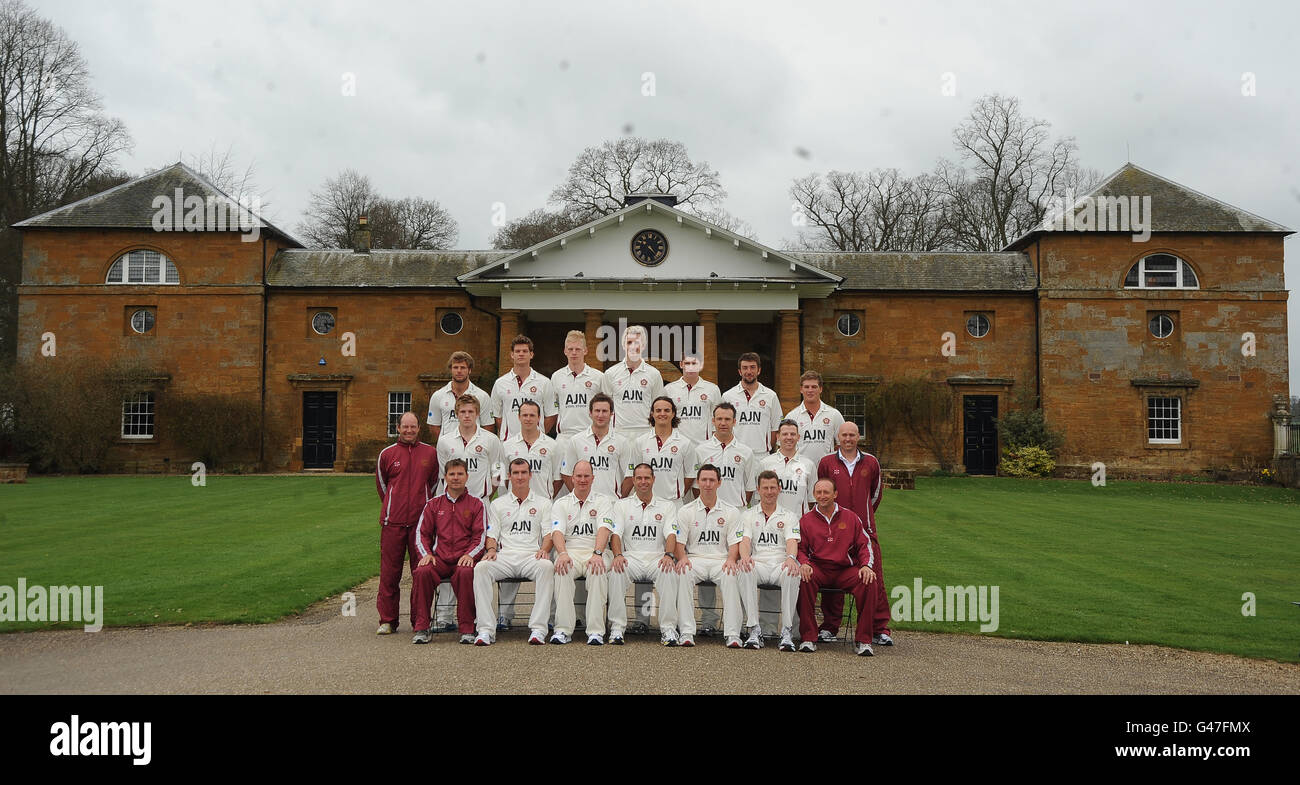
[(399, 403), (1164, 420), (143, 266), (1161, 271), (137, 416)]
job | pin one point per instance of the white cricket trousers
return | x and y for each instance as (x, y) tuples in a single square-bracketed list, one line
[(642, 567), (512, 564), (597, 594), (704, 568)]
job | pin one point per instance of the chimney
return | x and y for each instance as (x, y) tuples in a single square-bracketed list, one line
[(361, 244), (666, 199)]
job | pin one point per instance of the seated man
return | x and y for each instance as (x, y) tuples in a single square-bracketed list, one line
[(515, 530), (775, 533), (835, 552), (581, 525), (709, 530), (641, 523), (449, 536)]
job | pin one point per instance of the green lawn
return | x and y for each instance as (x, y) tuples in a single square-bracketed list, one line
[(1137, 562)]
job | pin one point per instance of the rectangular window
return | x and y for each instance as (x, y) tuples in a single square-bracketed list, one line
[(1164, 420), (854, 408), (399, 403), (137, 416)]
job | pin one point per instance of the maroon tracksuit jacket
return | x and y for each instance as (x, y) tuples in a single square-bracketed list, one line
[(860, 492), (405, 476), (836, 550), (448, 530)]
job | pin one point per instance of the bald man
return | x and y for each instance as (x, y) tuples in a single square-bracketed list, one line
[(406, 475)]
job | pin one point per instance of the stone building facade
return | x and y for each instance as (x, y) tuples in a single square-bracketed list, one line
[(1157, 357)]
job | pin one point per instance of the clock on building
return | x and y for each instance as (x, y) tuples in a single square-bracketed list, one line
[(649, 247)]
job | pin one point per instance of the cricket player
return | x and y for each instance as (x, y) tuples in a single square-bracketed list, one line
[(819, 423), (835, 551), (641, 524), (695, 399), (522, 383), (450, 537), (732, 457), (442, 404), (543, 457), (858, 485), (758, 409), (633, 383), (581, 526), (606, 451), (774, 531), (406, 476), (710, 545), (482, 453), (517, 523), (669, 453), (797, 473), (573, 386)]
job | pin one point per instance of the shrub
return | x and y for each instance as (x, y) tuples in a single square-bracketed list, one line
[(925, 409), (1026, 426), (1027, 462), (215, 428)]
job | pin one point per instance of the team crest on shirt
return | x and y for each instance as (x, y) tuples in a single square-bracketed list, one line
[(780, 524), (704, 397), (593, 514), (478, 448), (611, 448), (841, 524), (721, 521), (762, 403), (658, 517), (532, 389), (542, 451), (798, 470), (644, 382), (532, 511), (589, 384), (737, 459), (826, 421)]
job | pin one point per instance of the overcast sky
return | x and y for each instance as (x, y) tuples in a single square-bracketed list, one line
[(474, 103)]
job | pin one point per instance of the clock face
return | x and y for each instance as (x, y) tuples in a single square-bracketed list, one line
[(649, 247)]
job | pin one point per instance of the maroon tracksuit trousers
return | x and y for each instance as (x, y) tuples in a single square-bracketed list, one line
[(426, 580), (833, 604), (845, 578), (396, 544)]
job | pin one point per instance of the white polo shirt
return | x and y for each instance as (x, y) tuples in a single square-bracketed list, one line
[(768, 534), (672, 460), (757, 415), (572, 394), (482, 454), (509, 392), (798, 475), (695, 407), (442, 407), (708, 533), (519, 524), (543, 457), (643, 528), (579, 521), (609, 459), (633, 392), (737, 468), (818, 433)]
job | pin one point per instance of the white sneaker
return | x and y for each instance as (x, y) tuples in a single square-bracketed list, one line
[(421, 636), (595, 639), (668, 638), (616, 639), (686, 641), (483, 639), (807, 646), (882, 639), (384, 629), (560, 638), (467, 638), (538, 638), (755, 639), (733, 642), (863, 650), (826, 636), (787, 643)]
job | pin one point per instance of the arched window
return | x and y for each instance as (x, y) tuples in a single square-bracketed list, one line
[(143, 266), (1161, 271)]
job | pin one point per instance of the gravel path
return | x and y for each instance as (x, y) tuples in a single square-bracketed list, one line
[(322, 651)]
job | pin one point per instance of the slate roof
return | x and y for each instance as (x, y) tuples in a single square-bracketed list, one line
[(378, 269), (1174, 207), (131, 204), (888, 270)]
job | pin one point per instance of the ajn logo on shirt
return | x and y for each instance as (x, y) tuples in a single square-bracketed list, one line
[(583, 529), (749, 417), (576, 400), (662, 463), (816, 434), (768, 538), (599, 463), (727, 472), (630, 395), (693, 412), (789, 486), (645, 532), (521, 527), (710, 537)]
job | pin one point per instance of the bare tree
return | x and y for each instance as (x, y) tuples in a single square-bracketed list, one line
[(601, 176), (726, 220), (221, 169), (1016, 171), (879, 210), (54, 136), (535, 227), (330, 220), (412, 222)]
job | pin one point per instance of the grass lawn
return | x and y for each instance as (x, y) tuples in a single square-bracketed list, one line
[(1137, 562)]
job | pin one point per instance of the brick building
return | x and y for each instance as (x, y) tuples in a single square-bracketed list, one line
[(1157, 357)]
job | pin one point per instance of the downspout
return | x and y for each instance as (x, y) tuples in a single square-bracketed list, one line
[(261, 453), (1038, 326), (497, 317)]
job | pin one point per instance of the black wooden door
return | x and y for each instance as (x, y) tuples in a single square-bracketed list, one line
[(980, 433), (319, 427)]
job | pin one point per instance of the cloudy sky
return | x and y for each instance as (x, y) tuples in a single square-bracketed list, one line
[(477, 103)]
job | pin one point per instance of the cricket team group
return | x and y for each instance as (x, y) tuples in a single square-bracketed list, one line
[(680, 486)]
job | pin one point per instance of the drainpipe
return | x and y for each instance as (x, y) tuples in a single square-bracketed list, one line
[(473, 303)]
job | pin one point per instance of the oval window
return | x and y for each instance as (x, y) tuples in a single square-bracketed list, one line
[(1162, 326), (977, 325), (323, 322), (452, 323), (142, 321)]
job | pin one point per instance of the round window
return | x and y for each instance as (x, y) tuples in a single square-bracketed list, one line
[(323, 322), (1162, 326), (451, 323), (142, 321), (849, 324), (978, 325)]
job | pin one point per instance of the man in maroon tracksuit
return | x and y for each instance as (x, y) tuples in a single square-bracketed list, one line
[(835, 552), (405, 475), (450, 536), (857, 479)]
